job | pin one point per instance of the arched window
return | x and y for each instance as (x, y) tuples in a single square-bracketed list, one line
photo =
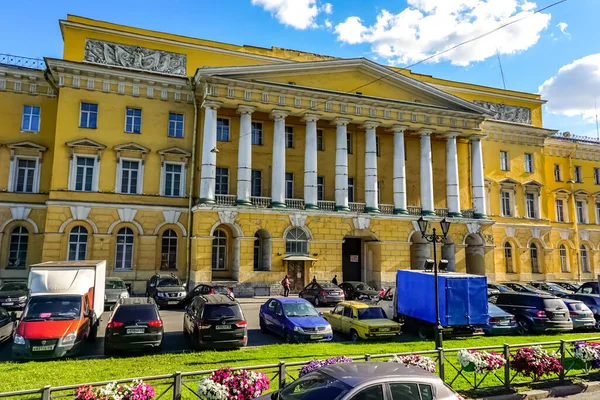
[(533, 255), (124, 253), (508, 257), (562, 251), (262, 250), (168, 259), (17, 251), (78, 243), (296, 242), (584, 258), (258, 244), (219, 250)]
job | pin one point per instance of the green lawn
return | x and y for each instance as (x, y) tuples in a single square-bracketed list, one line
[(15, 376)]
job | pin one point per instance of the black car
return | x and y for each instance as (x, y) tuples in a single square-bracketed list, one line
[(551, 288), (202, 289), (568, 285), (593, 303), (134, 324), (498, 288), (215, 321), (7, 325), (588, 288), (355, 290), (535, 312), (523, 288), (13, 295), (166, 290), (322, 292)]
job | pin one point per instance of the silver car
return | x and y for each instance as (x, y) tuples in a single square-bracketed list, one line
[(114, 290), (366, 380)]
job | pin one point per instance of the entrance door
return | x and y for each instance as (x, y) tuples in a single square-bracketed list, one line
[(296, 275), (352, 259)]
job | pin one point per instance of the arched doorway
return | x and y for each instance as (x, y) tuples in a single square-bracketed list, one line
[(475, 254), (420, 251)]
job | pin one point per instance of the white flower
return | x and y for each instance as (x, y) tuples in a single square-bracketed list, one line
[(211, 390)]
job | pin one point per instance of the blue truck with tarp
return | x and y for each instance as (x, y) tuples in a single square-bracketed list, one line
[(463, 302)]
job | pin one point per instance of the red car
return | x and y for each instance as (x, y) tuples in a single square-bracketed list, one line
[(208, 289)]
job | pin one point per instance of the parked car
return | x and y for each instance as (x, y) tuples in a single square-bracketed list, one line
[(166, 290), (322, 292), (523, 288), (215, 321), (499, 287), (592, 301), (294, 319), (568, 285), (7, 325), (13, 295), (207, 289), (551, 288), (588, 288), (361, 321), (581, 315), (359, 291), (500, 322), (114, 290), (535, 312), (134, 324), (366, 381)]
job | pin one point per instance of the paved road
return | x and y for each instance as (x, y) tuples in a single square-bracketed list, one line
[(584, 396)]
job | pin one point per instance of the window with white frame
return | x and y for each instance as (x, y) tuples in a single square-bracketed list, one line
[(598, 213), (173, 180), (289, 137), (219, 250), (351, 190), (257, 133), (25, 175), (597, 176), (557, 174), (533, 255), (506, 203), (133, 120), (31, 119), (168, 254), (17, 247), (528, 162), (320, 140), (504, 163), (560, 210), (296, 242), (256, 190), (129, 176), (320, 188), (580, 208), (84, 173), (124, 249), (289, 185), (349, 142), (578, 174), (223, 129), (78, 239), (88, 116), (564, 261), (508, 258), (584, 258), (175, 125), (222, 180), (531, 205)]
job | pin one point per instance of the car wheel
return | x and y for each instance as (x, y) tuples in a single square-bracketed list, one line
[(300, 295), (263, 327), (424, 332), (354, 336), (597, 325), (317, 301), (523, 326), (289, 337)]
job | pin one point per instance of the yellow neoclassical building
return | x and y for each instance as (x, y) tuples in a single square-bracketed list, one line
[(241, 164)]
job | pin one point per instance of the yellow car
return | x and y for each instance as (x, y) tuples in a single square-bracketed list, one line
[(361, 321)]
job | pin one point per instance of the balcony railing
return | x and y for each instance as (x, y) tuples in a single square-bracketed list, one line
[(386, 208), (261, 202), (441, 212), (414, 210), (326, 205), (295, 203), (467, 213), (225, 199), (357, 207), (24, 62)]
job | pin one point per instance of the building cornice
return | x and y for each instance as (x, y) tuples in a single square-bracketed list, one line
[(488, 93)]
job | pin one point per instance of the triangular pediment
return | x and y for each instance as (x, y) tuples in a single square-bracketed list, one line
[(174, 151), (508, 181), (132, 147), (86, 144), (581, 193), (533, 182), (26, 145), (354, 77)]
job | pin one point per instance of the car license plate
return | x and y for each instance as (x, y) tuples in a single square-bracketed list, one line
[(133, 331), (222, 327), (384, 330), (42, 348), (504, 323), (8, 304), (316, 336), (172, 303)]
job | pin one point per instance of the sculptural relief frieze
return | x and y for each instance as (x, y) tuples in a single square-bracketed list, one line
[(142, 58), (502, 112)]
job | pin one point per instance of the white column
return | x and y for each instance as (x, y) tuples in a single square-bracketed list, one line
[(341, 164), (477, 179), (310, 163), (371, 167), (427, 206), (399, 170), (452, 188), (209, 155), (278, 176), (244, 176)]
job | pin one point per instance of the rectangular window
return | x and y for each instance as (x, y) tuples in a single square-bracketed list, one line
[(289, 137), (530, 203), (557, 175), (579, 206), (257, 133), (320, 188), (223, 129), (25, 177), (173, 180), (504, 164), (349, 142), (130, 171), (31, 119), (351, 190), (320, 140), (598, 213), (378, 149), (175, 125), (578, 176), (597, 176), (222, 181), (505, 203), (133, 120), (256, 183), (560, 215), (289, 185), (88, 115), (84, 173), (528, 162)]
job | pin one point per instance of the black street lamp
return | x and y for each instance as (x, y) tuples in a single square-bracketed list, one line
[(435, 238)]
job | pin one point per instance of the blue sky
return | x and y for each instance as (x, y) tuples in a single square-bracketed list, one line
[(532, 51)]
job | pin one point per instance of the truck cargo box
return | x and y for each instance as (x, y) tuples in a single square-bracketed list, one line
[(463, 298)]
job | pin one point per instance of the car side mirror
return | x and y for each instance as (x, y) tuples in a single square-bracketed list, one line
[(320, 314), (275, 395)]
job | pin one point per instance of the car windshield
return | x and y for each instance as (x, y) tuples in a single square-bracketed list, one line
[(555, 287), (492, 308), (52, 308), (315, 385), (363, 286), (553, 304), (575, 306), (10, 286), (135, 312), (371, 313), (115, 284), (299, 310), (169, 282), (327, 285), (220, 290), (222, 311)]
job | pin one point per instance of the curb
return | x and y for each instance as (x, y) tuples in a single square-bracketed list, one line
[(557, 391)]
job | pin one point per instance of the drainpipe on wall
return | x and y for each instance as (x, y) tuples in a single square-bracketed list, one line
[(575, 221)]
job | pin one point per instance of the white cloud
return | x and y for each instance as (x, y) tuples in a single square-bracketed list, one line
[(572, 90), (426, 27), (299, 14), (563, 27), (328, 24)]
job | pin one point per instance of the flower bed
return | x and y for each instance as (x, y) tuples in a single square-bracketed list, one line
[(226, 384), (480, 362), (137, 390), (588, 353), (535, 362), (424, 362), (316, 364)]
